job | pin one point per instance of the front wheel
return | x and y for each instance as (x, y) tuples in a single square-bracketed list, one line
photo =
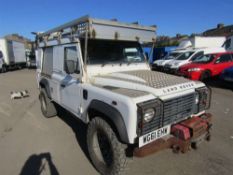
[(107, 153), (47, 107)]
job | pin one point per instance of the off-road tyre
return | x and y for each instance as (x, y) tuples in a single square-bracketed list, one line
[(4, 69), (106, 152), (47, 106)]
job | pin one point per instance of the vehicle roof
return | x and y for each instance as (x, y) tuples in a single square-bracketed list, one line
[(99, 29), (212, 50)]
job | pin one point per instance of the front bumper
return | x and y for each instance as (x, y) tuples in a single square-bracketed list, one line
[(171, 70), (176, 141), (156, 67), (190, 75)]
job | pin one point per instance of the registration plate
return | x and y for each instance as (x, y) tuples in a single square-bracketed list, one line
[(154, 135)]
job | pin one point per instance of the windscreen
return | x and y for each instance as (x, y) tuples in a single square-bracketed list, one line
[(108, 51), (184, 56), (204, 59), (172, 56)]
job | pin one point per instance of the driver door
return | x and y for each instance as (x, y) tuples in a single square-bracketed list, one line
[(70, 85)]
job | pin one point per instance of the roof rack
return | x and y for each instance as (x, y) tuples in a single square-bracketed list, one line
[(99, 29)]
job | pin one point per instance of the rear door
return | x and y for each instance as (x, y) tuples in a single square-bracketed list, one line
[(222, 62)]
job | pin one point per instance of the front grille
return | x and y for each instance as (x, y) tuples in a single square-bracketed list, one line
[(178, 109), (174, 110)]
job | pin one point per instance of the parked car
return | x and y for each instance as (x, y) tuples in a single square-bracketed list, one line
[(187, 57), (106, 83), (208, 65), (158, 65), (227, 74)]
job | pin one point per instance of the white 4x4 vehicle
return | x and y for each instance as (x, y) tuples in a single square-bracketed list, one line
[(96, 70)]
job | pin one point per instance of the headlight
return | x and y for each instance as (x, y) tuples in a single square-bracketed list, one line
[(204, 98), (194, 69), (148, 115)]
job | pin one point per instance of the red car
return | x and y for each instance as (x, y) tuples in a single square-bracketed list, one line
[(206, 66)]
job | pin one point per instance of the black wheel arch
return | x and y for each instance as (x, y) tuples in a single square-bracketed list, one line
[(208, 71), (110, 115), (44, 83)]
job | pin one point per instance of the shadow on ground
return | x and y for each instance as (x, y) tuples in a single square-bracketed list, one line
[(38, 164), (217, 83), (78, 127)]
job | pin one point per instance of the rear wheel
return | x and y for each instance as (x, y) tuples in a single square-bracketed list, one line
[(4, 69), (106, 151), (47, 106)]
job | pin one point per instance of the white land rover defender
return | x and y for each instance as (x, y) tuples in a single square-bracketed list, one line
[(97, 71)]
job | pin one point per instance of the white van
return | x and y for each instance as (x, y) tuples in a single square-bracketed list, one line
[(12, 54), (187, 57)]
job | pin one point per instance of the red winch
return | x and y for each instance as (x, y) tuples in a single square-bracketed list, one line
[(184, 135)]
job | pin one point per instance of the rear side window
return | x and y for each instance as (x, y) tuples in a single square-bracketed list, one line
[(184, 56), (47, 68), (224, 58)]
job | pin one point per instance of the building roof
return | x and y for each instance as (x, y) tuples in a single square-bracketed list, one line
[(221, 30)]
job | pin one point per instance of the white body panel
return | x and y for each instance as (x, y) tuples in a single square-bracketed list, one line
[(13, 52), (93, 70), (201, 42)]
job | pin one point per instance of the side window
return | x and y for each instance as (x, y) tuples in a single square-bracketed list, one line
[(224, 58), (71, 62), (197, 56), (47, 68)]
